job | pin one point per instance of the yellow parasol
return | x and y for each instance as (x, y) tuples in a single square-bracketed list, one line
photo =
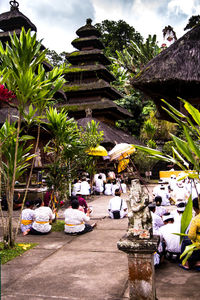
[(121, 151), (97, 151), (122, 164)]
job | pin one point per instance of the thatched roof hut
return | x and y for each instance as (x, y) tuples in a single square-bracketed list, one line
[(112, 135), (175, 72)]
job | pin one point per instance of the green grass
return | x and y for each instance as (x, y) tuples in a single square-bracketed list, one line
[(18, 249), (58, 226)]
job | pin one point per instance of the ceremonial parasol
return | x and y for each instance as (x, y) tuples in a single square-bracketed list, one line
[(121, 151), (97, 151)]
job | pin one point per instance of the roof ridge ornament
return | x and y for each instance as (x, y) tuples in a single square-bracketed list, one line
[(14, 5), (89, 21)]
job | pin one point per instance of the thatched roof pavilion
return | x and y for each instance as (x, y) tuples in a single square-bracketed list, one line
[(112, 135), (175, 72)]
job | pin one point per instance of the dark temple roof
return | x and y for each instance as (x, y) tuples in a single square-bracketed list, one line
[(175, 72)]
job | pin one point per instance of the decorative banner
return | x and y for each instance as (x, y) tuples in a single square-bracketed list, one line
[(123, 164)]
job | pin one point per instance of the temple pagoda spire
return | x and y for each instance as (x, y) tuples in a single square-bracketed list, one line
[(14, 20), (88, 79)]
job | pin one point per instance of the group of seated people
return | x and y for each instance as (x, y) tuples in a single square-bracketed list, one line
[(36, 218), (174, 188), (166, 223), (101, 185)]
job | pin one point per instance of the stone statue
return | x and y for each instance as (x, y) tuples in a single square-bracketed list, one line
[(38, 160), (140, 222)]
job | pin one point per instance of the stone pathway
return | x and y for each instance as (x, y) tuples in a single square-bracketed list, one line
[(88, 267)]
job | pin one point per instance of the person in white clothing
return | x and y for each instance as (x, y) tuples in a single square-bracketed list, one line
[(123, 187), (160, 210), (179, 212), (163, 193), (99, 185), (27, 216), (76, 187), (115, 186), (85, 187), (75, 220), (43, 216), (117, 208), (157, 221), (108, 188), (171, 241)]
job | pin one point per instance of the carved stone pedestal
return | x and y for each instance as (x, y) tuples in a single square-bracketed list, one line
[(141, 266)]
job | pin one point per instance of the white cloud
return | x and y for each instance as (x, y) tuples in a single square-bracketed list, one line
[(186, 7)]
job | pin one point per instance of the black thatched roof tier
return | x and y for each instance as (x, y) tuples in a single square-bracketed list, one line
[(101, 110), (175, 72), (99, 88), (112, 135), (87, 42), (14, 19), (88, 30), (86, 56), (88, 71)]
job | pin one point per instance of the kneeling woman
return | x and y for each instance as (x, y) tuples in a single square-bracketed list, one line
[(43, 216), (75, 220)]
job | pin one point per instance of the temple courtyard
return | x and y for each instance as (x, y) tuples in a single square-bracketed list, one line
[(87, 267)]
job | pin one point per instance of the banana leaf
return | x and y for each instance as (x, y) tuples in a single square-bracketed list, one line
[(187, 216)]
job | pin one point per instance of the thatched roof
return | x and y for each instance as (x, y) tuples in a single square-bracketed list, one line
[(99, 87), (175, 72), (112, 135), (14, 19)]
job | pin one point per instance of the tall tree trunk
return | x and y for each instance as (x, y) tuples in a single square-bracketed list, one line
[(29, 179), (11, 240)]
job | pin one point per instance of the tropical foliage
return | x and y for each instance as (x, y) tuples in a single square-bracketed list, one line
[(67, 150), (186, 155), (22, 72)]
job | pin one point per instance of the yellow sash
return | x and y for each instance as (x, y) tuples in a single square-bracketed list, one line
[(74, 224), (42, 222), (26, 222)]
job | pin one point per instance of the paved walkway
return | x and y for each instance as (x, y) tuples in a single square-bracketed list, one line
[(87, 267)]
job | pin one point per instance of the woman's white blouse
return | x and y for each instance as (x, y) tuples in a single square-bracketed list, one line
[(43, 214)]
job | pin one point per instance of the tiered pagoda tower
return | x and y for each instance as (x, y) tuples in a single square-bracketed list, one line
[(14, 20), (88, 88)]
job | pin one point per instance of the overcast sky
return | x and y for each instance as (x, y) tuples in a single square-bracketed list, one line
[(58, 20)]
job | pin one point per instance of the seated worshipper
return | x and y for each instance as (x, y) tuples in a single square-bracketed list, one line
[(76, 187), (115, 186), (180, 192), (179, 211), (163, 192), (82, 203), (108, 188), (99, 185), (160, 210), (47, 197), (117, 207), (172, 182), (17, 201), (27, 216), (72, 198), (172, 247), (193, 236), (85, 187), (123, 187), (157, 221), (75, 220), (43, 216)]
